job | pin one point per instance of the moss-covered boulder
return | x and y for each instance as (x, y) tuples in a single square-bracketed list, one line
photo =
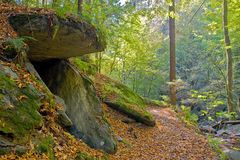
[(56, 37), (121, 98), (19, 105), (82, 104)]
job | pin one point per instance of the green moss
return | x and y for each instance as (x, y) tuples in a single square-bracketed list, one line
[(84, 66), (122, 93), (18, 117), (135, 109), (45, 145), (84, 156), (123, 99), (156, 103), (1, 99)]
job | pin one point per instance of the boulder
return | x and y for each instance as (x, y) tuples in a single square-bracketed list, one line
[(82, 104), (19, 105), (56, 37), (232, 154), (63, 119), (5, 146), (121, 98), (233, 130)]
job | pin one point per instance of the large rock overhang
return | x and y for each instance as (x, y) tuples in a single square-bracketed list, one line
[(56, 37)]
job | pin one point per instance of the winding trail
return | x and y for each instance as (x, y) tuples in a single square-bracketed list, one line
[(170, 139)]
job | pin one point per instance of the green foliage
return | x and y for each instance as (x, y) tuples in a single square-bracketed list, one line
[(211, 104), (17, 44), (187, 116), (166, 99), (85, 67), (215, 144), (227, 115), (138, 46)]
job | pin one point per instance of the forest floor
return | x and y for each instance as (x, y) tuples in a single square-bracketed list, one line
[(170, 139)]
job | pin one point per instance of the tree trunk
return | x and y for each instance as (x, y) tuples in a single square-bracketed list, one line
[(98, 61), (238, 109), (43, 3), (54, 2), (228, 56), (80, 6), (173, 97)]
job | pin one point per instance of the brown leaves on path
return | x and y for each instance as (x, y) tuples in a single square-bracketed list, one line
[(170, 139)]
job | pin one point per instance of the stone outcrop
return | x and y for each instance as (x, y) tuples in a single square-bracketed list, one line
[(121, 98), (56, 37), (82, 104), (26, 89), (19, 105)]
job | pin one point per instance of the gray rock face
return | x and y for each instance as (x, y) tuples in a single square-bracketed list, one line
[(82, 105), (56, 37), (19, 116), (63, 119), (233, 130), (232, 154), (5, 146)]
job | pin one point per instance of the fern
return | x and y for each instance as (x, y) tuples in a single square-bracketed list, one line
[(18, 43)]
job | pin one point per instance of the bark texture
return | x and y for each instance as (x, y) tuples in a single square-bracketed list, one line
[(228, 51), (172, 33)]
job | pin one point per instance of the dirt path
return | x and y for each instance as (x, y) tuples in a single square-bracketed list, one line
[(170, 139)]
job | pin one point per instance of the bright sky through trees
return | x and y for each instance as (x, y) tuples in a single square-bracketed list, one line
[(122, 1)]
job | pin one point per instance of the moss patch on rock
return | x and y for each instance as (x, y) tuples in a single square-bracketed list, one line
[(121, 98), (18, 110), (84, 67), (156, 103)]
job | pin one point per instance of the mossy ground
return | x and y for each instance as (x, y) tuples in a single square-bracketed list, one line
[(84, 67), (156, 103), (45, 145), (85, 156)]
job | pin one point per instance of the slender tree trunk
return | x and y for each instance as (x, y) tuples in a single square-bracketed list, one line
[(113, 63), (80, 6), (228, 56), (98, 61), (238, 109), (173, 97), (54, 3), (150, 86), (43, 3), (123, 71)]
